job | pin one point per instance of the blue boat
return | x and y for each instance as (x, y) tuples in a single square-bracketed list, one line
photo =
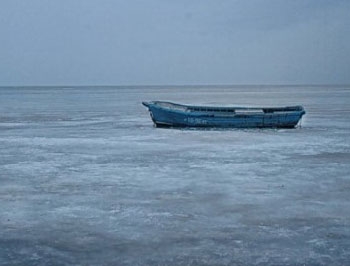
[(168, 114)]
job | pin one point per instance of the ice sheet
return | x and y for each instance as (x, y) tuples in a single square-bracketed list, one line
[(87, 179)]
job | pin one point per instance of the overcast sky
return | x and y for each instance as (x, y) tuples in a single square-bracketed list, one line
[(148, 42)]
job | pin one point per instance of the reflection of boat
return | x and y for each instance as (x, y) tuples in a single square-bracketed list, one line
[(167, 114)]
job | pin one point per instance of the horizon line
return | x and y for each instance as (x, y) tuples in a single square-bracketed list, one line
[(181, 85)]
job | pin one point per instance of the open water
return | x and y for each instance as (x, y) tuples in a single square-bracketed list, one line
[(85, 179)]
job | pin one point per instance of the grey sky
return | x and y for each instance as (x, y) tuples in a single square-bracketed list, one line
[(136, 42)]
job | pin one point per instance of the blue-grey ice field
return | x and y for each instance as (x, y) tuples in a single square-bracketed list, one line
[(85, 179)]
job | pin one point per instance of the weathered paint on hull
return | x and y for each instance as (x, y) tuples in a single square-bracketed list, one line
[(174, 118)]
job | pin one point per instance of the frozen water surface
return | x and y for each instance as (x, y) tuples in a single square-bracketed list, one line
[(87, 179)]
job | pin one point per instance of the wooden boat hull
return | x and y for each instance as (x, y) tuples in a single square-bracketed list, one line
[(166, 114)]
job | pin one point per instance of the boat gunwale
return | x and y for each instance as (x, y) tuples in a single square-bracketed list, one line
[(175, 107)]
